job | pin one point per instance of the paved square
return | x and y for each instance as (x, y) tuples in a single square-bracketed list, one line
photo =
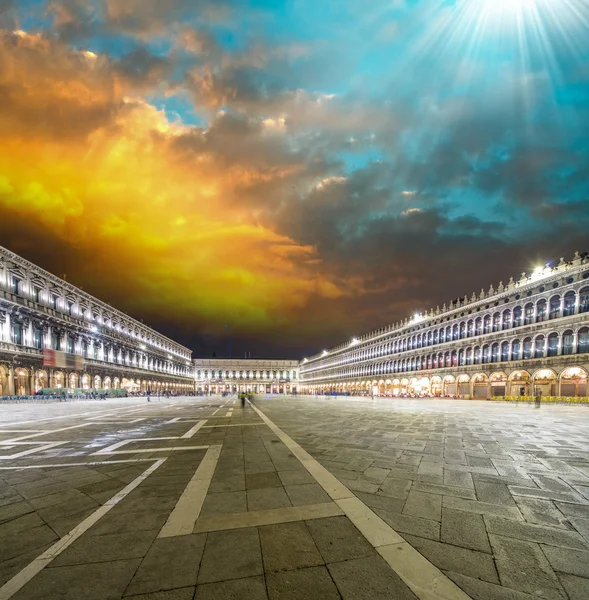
[(294, 498)]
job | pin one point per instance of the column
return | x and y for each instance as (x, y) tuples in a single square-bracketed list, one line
[(11, 380), (32, 381)]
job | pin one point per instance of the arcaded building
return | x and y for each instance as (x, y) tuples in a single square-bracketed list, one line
[(219, 375), (526, 337), (40, 311)]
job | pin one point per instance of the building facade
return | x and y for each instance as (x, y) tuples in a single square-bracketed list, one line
[(40, 311), (219, 375), (529, 336)]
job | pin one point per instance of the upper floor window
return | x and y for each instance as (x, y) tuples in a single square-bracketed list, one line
[(37, 338), (54, 299), (584, 300), (569, 304), (17, 333), (70, 345), (36, 293), (70, 306), (15, 284)]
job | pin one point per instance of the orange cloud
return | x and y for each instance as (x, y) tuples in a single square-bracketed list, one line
[(156, 207)]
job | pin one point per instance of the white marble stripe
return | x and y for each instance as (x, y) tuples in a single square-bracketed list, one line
[(23, 577), (42, 433), (145, 450), (424, 579), (187, 510), (79, 464)]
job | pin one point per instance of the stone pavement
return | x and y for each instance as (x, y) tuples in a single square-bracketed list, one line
[(494, 495), (199, 498)]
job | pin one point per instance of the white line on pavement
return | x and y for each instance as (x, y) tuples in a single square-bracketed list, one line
[(23, 577), (425, 580), (79, 464), (187, 510)]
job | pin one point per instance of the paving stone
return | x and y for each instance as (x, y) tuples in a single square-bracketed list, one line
[(360, 485), (522, 566), (97, 581), (494, 493), (425, 506), (295, 477), (580, 511), (411, 525), (338, 539), (535, 533), (482, 508), (482, 590), (396, 488), (541, 512), (262, 480), (565, 560), (288, 546), (464, 529), (310, 493), (313, 583), (248, 588), (119, 522), (381, 501), (22, 523), (106, 548), (267, 498), (15, 509), (444, 490), (368, 579), (577, 588), (376, 474), (452, 558), (458, 478), (24, 541), (178, 594), (224, 503), (231, 555)]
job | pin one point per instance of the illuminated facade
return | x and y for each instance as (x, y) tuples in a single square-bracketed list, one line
[(217, 375), (39, 310), (529, 336)]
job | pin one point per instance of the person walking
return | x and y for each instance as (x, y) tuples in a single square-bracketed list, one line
[(242, 400), (148, 395)]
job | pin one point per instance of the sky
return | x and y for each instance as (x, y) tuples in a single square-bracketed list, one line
[(278, 176)]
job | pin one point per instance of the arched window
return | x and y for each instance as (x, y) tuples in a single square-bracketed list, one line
[(583, 345), (569, 304), (584, 300), (517, 316), (539, 347), (455, 332), (470, 328), (468, 356), (442, 337), (487, 324), (505, 351), (541, 311), (461, 357), (516, 350), (506, 319), (552, 346), (462, 330), (497, 322), (527, 348), (528, 313), (454, 358), (554, 307), (485, 354), (478, 326), (495, 352), (568, 342), (477, 356)]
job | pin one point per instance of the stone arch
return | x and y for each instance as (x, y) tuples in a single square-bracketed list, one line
[(498, 382), (73, 380), (86, 381), (58, 379), (545, 382), (449, 385), (107, 383), (463, 385), (41, 380), (3, 381), (97, 382), (573, 382), (436, 386), (519, 383), (21, 381)]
